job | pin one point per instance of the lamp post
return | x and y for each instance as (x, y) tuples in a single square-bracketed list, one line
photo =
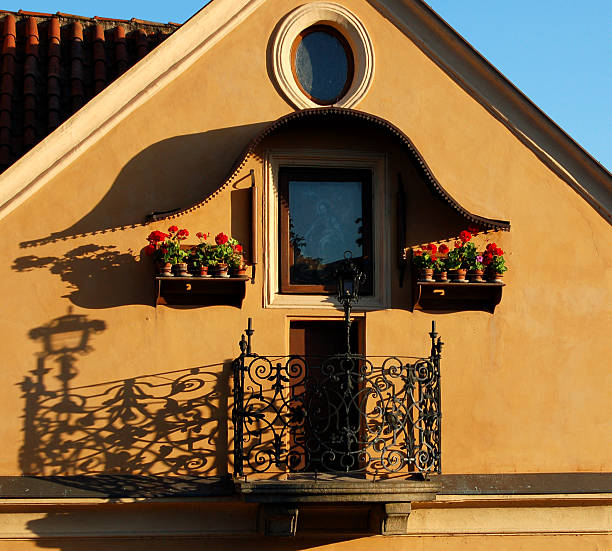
[(349, 278)]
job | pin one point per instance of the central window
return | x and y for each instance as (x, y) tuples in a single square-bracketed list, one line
[(324, 213)]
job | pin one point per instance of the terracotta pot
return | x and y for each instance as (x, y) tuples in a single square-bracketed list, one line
[(237, 272), (458, 275), (426, 274), (220, 270), (182, 269), (494, 277), (165, 269), (475, 276), (441, 276), (204, 271)]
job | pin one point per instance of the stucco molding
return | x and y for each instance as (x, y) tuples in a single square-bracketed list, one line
[(339, 17), (378, 163)]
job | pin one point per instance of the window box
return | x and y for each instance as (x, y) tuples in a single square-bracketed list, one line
[(199, 291), (438, 296)]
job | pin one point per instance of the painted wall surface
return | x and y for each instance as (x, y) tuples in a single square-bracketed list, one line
[(524, 390), (503, 543)]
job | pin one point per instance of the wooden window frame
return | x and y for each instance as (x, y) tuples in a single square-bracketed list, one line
[(286, 257)]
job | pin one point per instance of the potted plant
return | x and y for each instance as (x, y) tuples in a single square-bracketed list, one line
[(199, 255), (157, 250), (476, 269), (219, 255), (440, 270), (173, 251), (236, 261), (493, 259), (424, 260), (460, 258)]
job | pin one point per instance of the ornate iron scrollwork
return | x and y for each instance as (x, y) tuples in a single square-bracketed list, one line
[(343, 413)]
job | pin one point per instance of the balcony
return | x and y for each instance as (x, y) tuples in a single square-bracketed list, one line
[(336, 430)]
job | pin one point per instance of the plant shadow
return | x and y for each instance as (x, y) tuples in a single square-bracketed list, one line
[(98, 276)]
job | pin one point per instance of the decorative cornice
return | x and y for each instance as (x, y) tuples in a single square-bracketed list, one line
[(328, 114)]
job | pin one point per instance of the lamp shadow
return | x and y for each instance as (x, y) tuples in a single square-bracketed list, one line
[(143, 428)]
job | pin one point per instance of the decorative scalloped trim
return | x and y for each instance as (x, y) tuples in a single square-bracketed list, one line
[(430, 180)]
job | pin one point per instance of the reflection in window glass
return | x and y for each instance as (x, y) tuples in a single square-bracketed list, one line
[(322, 66), (326, 219)]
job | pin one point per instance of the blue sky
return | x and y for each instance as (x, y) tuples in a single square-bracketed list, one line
[(557, 52)]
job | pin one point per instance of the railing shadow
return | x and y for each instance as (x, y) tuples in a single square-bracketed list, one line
[(159, 425)]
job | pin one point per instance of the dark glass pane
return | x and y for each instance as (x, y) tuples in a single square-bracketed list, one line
[(321, 65), (326, 219)]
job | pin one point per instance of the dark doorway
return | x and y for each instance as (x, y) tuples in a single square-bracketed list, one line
[(329, 393), (321, 338)]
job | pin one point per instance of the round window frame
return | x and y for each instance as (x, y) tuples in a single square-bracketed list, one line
[(350, 71), (332, 16)]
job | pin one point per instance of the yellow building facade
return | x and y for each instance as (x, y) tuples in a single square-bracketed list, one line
[(120, 395)]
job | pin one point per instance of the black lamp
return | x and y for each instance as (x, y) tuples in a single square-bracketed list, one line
[(349, 278)]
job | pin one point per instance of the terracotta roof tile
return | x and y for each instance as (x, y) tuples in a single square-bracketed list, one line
[(52, 64)]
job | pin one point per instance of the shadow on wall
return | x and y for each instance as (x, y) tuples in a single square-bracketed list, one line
[(172, 423), (97, 276), (169, 175)]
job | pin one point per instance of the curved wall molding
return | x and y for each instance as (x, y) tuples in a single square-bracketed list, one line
[(351, 28)]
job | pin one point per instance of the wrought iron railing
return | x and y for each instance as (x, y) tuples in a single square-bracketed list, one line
[(342, 414)]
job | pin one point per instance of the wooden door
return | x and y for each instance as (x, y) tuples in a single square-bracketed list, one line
[(319, 438)]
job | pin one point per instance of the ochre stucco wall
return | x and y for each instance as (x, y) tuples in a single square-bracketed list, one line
[(524, 390)]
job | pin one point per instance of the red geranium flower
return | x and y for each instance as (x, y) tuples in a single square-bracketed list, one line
[(149, 249), (173, 229), (491, 247), (458, 244), (465, 236), (238, 248), (221, 239), (432, 248), (434, 258), (487, 258), (498, 251), (156, 236), (443, 249), (418, 253), (182, 234)]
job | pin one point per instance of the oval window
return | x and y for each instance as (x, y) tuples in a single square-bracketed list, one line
[(322, 63)]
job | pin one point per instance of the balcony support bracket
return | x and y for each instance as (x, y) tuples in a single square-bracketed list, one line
[(277, 520), (394, 518)]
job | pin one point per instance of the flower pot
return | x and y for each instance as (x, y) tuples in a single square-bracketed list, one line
[(495, 277), (181, 269), (237, 272), (440, 276), (475, 276), (458, 276), (204, 271), (165, 269), (426, 274), (219, 270)]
